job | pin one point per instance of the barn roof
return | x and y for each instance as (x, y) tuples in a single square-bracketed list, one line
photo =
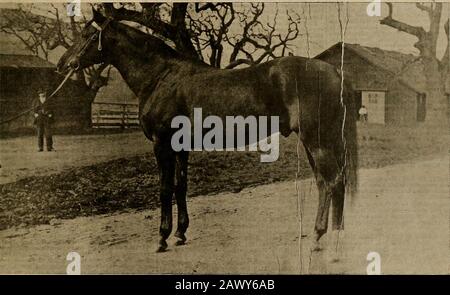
[(407, 67), (23, 61)]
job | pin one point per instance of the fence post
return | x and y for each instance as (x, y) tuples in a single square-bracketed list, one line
[(126, 115), (123, 116)]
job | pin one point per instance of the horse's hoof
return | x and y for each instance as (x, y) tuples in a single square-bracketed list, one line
[(181, 239), (316, 247), (334, 259), (180, 242), (162, 247), (317, 236)]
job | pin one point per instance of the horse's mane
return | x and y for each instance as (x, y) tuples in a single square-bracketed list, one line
[(145, 43)]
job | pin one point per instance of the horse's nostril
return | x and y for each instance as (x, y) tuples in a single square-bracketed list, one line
[(74, 64), (59, 69)]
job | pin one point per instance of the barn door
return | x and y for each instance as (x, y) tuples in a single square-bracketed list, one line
[(374, 101), (421, 107)]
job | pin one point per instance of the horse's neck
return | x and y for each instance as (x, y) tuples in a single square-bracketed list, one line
[(142, 70), (136, 71)]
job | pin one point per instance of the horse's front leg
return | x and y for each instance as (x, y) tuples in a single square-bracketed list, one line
[(165, 158), (180, 195)]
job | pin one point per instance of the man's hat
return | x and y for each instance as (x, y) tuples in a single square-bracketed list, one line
[(42, 90)]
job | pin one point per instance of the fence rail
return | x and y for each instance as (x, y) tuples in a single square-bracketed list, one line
[(115, 115)]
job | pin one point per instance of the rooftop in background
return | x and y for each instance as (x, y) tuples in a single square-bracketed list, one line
[(18, 55), (23, 61), (407, 67)]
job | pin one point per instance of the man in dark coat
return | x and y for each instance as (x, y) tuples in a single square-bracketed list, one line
[(43, 119)]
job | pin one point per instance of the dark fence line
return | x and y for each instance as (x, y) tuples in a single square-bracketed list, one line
[(115, 115)]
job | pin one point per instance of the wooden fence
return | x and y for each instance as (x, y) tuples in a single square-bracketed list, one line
[(115, 115)]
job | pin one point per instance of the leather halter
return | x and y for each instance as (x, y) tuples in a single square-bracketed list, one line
[(94, 36)]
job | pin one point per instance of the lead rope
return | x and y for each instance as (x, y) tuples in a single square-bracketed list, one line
[(50, 96), (342, 31), (83, 49), (62, 83)]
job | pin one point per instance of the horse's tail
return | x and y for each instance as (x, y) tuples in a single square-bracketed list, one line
[(351, 144)]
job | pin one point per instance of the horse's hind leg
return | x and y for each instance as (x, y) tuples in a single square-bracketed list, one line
[(337, 220), (180, 195), (165, 158), (325, 169), (338, 205)]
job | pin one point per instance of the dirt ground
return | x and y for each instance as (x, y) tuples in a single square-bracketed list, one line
[(19, 157), (110, 173), (378, 146), (401, 213), (245, 227)]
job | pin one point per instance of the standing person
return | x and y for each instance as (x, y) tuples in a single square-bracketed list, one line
[(43, 119), (363, 114)]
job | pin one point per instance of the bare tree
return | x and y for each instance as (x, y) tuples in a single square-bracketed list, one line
[(30, 29), (204, 31), (260, 41), (436, 71), (198, 31), (148, 14), (41, 34)]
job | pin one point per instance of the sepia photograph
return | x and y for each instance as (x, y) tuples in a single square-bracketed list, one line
[(225, 138)]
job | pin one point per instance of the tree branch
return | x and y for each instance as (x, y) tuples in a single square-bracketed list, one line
[(175, 30), (445, 61), (238, 62), (419, 32), (424, 7), (205, 6)]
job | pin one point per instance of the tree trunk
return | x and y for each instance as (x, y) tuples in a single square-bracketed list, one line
[(435, 72), (436, 99)]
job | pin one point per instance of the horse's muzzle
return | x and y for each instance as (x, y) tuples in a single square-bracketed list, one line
[(63, 68), (74, 64)]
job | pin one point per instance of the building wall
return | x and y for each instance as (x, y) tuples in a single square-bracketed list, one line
[(374, 101), (401, 105), (400, 101)]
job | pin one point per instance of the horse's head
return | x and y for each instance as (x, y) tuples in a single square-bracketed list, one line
[(91, 47)]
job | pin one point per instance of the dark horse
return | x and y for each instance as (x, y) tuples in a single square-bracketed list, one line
[(304, 93)]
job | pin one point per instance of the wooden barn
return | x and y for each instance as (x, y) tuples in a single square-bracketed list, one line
[(390, 84), (20, 78)]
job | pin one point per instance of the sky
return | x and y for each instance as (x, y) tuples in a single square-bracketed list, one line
[(324, 30)]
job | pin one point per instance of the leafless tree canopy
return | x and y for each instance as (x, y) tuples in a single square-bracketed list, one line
[(203, 31), (42, 34), (200, 31)]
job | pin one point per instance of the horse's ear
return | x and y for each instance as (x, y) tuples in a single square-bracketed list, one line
[(97, 16)]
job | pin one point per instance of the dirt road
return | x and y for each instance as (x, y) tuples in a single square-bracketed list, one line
[(401, 213)]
